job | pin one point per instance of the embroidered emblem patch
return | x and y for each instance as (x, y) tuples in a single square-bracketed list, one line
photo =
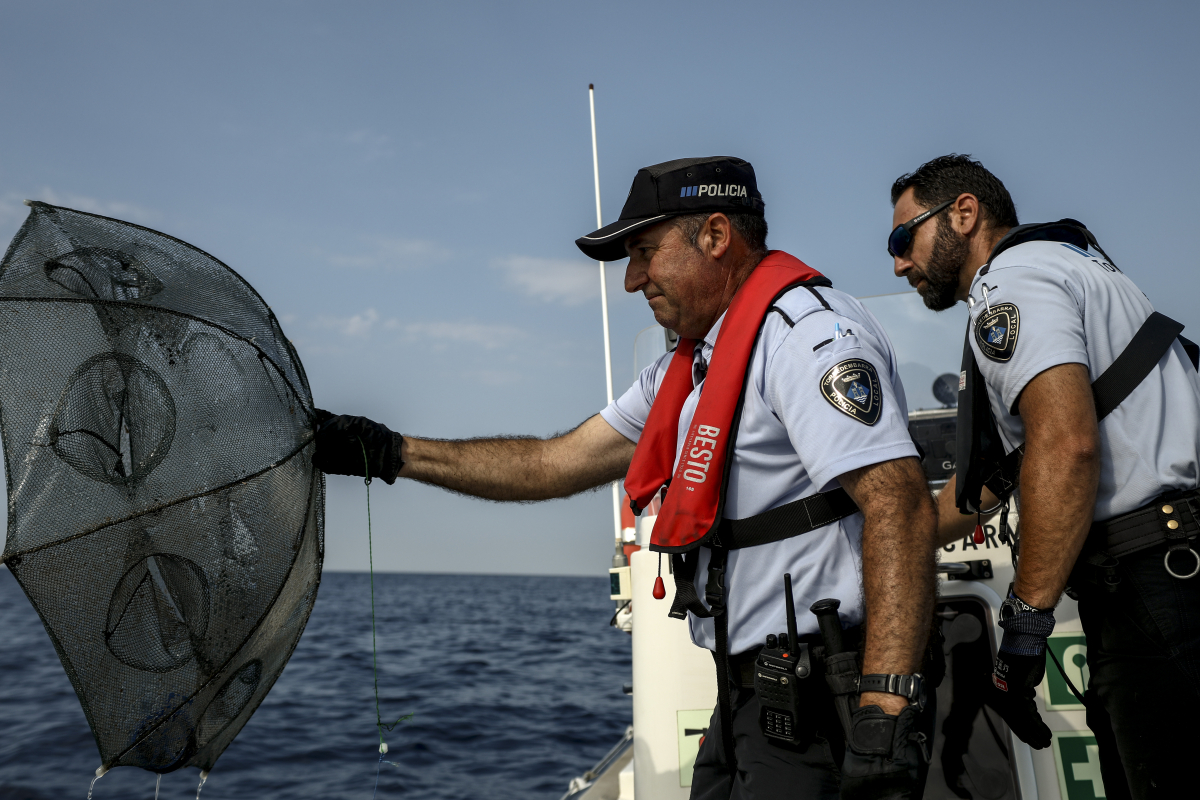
[(996, 331), (852, 387)]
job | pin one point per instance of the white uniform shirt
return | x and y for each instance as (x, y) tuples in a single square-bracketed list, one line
[(1074, 307), (792, 442)]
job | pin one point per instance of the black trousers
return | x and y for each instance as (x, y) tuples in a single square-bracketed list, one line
[(1143, 694), (768, 769)]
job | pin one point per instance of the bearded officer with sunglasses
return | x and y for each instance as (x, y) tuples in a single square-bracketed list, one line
[(795, 458), (1079, 398)]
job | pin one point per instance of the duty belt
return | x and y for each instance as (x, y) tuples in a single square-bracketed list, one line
[(793, 519), (741, 666), (1173, 518)]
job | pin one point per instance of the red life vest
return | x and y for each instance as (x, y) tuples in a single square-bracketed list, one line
[(694, 504)]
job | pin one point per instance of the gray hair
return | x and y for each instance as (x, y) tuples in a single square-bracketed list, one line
[(751, 227)]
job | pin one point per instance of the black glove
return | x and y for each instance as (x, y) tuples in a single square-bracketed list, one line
[(1011, 693), (1019, 668), (884, 754), (342, 439)]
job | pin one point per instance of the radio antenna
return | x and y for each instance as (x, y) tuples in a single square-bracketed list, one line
[(616, 489), (790, 603)]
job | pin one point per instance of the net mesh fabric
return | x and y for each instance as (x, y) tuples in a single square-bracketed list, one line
[(164, 516)]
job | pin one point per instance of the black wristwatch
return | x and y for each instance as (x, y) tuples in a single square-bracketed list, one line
[(910, 687), (1014, 605)]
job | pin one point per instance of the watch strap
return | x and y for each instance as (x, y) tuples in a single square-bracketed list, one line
[(1019, 606), (910, 687)]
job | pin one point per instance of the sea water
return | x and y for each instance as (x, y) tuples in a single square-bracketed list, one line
[(514, 683)]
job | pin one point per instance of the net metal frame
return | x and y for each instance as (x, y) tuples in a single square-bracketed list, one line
[(164, 516)]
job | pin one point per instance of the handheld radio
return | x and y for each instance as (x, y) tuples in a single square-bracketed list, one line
[(780, 667)]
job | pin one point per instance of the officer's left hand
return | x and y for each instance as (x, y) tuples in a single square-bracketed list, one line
[(1020, 666), (353, 445), (884, 754), (1012, 687)]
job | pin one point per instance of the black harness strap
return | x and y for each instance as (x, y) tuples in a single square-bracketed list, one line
[(784, 522), (1134, 364), (981, 458), (1193, 351), (791, 519), (684, 569), (1136, 361)]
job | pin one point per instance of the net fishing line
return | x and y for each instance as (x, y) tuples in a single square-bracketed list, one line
[(165, 519), (380, 726)]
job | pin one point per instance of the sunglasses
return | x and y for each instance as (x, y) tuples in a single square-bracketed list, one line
[(902, 237)]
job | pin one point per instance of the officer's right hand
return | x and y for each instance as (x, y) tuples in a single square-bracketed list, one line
[(1011, 692), (884, 754), (356, 446)]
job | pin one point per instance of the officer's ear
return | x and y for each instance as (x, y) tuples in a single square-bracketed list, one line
[(966, 215), (716, 235)]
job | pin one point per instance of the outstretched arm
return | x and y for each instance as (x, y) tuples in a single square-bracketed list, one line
[(899, 522), (521, 469)]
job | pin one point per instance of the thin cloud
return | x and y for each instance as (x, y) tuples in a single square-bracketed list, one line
[(475, 334), (439, 334), (391, 253), (357, 326), (11, 212), (370, 143), (108, 208), (13, 209), (552, 280), (495, 377)]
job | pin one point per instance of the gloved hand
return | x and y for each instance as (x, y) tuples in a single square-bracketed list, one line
[(883, 755), (342, 439), (1019, 668)]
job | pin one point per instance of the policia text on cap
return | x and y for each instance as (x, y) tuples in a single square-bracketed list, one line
[(809, 471), (1067, 363)]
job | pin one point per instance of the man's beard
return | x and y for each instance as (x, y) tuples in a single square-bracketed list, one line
[(941, 274)]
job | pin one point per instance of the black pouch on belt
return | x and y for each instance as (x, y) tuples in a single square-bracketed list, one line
[(842, 667)]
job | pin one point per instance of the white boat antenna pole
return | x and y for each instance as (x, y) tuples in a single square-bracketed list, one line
[(616, 491)]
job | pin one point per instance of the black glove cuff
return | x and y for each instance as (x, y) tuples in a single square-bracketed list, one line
[(396, 462)]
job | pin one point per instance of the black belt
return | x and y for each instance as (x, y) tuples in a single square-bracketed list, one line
[(1167, 518), (1172, 519), (793, 519), (741, 666)]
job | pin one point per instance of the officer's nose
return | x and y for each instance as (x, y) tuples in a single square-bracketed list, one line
[(635, 276), (902, 266)]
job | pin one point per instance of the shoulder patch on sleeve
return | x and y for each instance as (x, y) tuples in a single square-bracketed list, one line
[(996, 331), (852, 387)]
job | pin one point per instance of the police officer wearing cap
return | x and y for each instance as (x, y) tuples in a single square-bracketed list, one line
[(776, 437), (1081, 400)]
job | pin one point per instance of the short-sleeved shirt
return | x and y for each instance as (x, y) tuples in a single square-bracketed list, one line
[(793, 441), (1050, 303)]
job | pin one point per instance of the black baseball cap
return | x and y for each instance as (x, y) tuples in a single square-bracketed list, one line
[(683, 186)]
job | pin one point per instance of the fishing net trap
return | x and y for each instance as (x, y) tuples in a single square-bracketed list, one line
[(164, 516)]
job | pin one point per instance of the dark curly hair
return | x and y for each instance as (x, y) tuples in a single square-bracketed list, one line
[(946, 177)]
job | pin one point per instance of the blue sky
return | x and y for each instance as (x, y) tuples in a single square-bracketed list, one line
[(403, 182)]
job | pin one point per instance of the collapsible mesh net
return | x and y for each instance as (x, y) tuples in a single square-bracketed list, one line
[(164, 516)]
